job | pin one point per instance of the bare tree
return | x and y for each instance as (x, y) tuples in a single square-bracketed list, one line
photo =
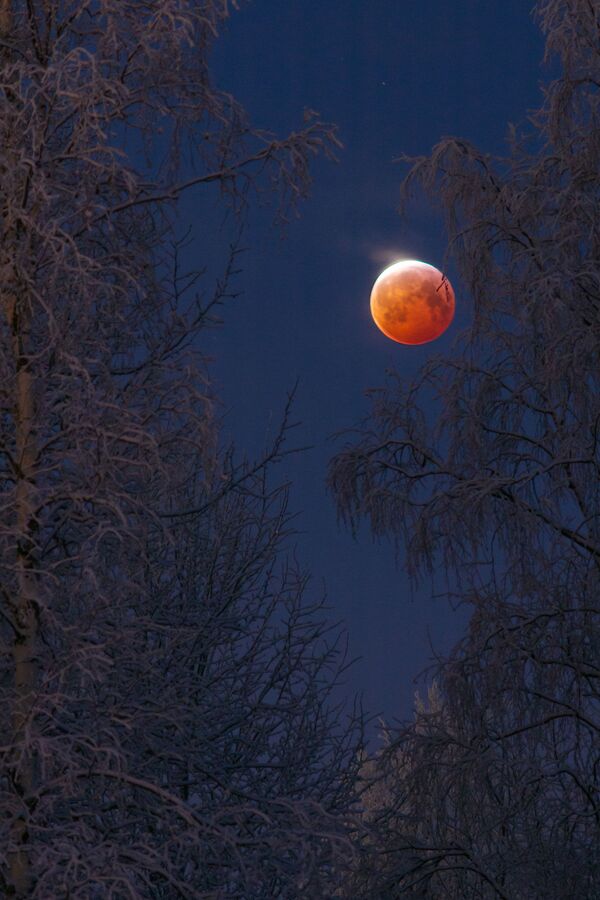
[(164, 712), (234, 772), (502, 490)]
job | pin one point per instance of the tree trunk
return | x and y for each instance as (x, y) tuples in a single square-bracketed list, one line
[(25, 609), (5, 17)]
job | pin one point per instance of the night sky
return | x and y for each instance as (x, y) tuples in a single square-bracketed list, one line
[(396, 77)]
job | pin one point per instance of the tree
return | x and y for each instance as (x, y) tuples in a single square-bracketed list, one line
[(502, 491), (248, 767), (167, 729)]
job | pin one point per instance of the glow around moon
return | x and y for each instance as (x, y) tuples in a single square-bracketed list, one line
[(412, 302)]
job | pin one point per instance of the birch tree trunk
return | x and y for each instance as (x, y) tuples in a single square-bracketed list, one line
[(25, 615), (24, 611)]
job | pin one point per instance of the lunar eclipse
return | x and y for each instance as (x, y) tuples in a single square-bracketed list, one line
[(412, 302)]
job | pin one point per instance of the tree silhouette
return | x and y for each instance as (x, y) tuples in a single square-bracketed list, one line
[(502, 490), (167, 728)]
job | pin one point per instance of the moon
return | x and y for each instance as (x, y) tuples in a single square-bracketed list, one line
[(412, 302)]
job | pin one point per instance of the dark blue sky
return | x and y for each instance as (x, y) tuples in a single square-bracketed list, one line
[(395, 76)]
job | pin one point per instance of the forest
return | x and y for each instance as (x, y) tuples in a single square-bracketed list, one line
[(169, 683)]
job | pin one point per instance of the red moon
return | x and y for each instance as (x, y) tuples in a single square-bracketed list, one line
[(412, 302)]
